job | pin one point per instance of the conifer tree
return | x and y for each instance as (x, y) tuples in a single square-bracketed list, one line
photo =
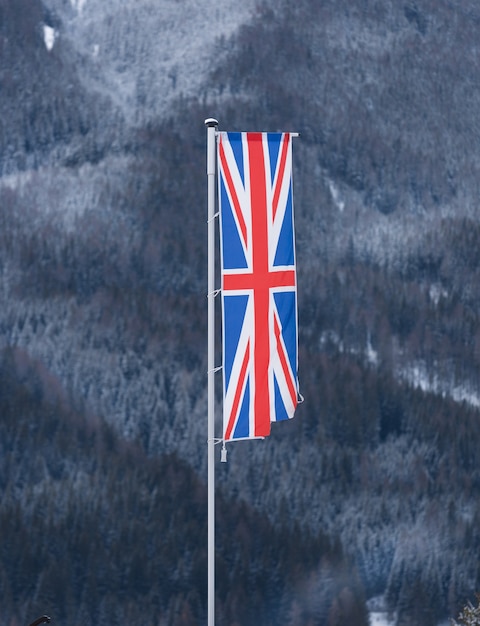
[(469, 615)]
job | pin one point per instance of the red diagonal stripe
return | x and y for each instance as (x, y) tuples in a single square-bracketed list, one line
[(238, 393), (281, 173), (233, 193), (284, 363)]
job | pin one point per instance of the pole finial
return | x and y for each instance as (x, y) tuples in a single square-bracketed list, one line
[(211, 121)]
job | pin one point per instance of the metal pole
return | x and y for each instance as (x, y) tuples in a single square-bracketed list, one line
[(211, 125)]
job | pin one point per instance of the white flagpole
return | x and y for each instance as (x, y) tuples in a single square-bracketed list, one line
[(211, 125)]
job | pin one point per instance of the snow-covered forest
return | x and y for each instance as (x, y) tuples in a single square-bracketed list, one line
[(371, 491)]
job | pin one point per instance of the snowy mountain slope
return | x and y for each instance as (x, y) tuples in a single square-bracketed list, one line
[(148, 54), (142, 56)]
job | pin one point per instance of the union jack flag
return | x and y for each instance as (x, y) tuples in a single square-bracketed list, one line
[(259, 298)]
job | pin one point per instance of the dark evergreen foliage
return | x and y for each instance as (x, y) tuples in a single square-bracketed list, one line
[(98, 532)]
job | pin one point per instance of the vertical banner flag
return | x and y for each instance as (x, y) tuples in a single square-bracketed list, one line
[(259, 297)]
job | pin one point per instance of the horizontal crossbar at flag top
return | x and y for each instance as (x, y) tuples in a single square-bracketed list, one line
[(259, 295)]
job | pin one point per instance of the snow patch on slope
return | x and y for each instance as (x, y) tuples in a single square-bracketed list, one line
[(420, 377), (49, 36), (335, 193), (416, 374)]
